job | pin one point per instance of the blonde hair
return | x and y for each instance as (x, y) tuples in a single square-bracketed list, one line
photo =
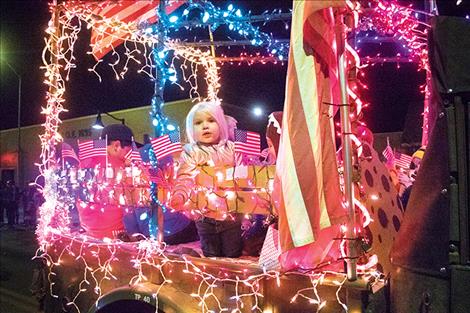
[(213, 109)]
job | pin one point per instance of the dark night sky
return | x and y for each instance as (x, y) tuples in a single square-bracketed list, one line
[(22, 33)]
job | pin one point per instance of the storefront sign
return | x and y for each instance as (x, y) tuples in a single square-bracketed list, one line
[(77, 133)]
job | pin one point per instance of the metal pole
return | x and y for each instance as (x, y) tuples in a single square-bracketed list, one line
[(19, 170), (351, 261), (20, 152), (428, 116)]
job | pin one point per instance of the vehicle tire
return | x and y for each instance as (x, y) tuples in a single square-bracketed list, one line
[(128, 306)]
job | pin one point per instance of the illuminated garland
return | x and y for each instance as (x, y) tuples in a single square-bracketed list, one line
[(100, 259), (54, 212)]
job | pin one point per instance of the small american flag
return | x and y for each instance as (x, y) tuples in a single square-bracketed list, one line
[(388, 154), (134, 154), (68, 152), (91, 148), (265, 153), (166, 145), (247, 142), (402, 160)]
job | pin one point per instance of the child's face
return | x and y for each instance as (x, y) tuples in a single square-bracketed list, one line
[(205, 128)]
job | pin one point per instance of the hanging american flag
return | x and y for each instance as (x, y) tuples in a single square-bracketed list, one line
[(306, 169), (134, 154), (69, 152), (402, 160), (166, 145), (103, 39), (247, 142), (91, 148)]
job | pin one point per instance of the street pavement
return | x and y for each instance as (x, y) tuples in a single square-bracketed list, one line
[(17, 247)]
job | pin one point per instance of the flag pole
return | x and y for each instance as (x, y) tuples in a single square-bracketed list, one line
[(347, 152), (106, 143), (132, 163)]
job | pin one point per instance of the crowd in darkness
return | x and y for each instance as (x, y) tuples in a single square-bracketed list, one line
[(12, 199)]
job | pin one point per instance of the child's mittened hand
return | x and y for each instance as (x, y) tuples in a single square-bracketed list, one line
[(177, 202), (246, 224)]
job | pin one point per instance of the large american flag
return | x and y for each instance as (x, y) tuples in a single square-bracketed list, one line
[(166, 145), (92, 148), (306, 169), (247, 142), (134, 154), (103, 40), (69, 152)]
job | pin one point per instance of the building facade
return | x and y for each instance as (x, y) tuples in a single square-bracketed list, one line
[(21, 167)]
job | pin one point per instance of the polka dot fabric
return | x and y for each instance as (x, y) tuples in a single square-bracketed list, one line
[(383, 204)]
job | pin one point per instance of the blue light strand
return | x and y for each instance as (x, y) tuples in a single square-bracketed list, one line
[(209, 15)]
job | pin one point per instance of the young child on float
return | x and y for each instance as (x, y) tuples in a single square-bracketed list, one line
[(208, 132)]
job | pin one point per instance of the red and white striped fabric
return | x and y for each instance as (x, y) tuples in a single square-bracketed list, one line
[(307, 172), (134, 154), (103, 39), (388, 154), (247, 142), (92, 148), (166, 145), (402, 160), (69, 152)]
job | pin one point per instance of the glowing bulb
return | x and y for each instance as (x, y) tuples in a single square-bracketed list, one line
[(173, 19), (257, 111), (205, 18)]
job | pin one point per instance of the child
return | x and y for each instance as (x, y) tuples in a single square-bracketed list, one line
[(208, 134)]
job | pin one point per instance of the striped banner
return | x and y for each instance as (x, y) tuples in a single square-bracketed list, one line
[(103, 39), (306, 166)]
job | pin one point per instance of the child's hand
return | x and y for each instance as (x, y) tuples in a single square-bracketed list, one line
[(246, 224), (177, 202)]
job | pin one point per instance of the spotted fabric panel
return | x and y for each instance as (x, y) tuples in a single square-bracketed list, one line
[(383, 204)]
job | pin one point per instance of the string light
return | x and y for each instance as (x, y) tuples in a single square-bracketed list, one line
[(98, 259)]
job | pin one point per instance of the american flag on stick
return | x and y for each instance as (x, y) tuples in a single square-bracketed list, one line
[(402, 160), (166, 145), (92, 148), (388, 154), (247, 142), (69, 152), (104, 39), (134, 154)]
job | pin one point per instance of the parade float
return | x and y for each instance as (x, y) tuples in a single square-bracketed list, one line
[(331, 252)]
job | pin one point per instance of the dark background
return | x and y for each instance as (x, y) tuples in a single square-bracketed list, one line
[(391, 90)]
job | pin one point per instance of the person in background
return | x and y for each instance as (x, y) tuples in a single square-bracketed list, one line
[(106, 220), (417, 157), (2, 202), (11, 201), (255, 234), (209, 144)]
